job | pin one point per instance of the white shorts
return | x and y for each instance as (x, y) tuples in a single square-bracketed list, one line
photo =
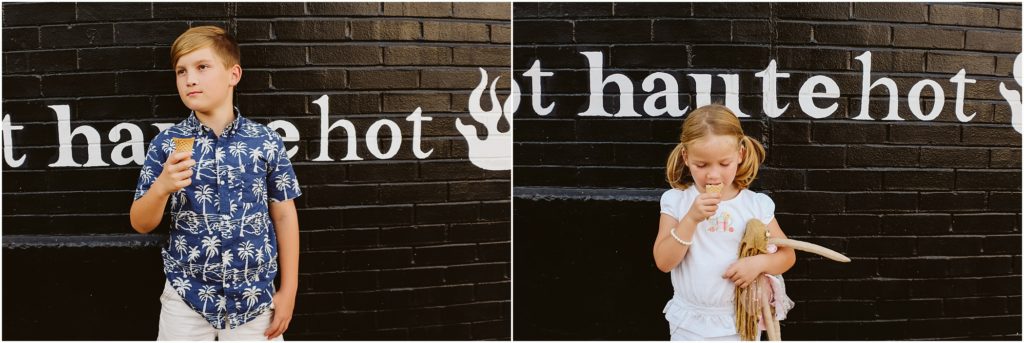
[(682, 334), (178, 322)]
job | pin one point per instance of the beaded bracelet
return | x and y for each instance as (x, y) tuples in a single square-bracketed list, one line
[(680, 240)]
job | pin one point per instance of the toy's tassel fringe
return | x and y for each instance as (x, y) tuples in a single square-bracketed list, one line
[(748, 300)]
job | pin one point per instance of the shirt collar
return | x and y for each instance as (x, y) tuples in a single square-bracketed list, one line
[(192, 124)]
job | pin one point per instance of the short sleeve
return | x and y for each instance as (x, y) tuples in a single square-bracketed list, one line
[(670, 203), (283, 185), (765, 208), (152, 166)]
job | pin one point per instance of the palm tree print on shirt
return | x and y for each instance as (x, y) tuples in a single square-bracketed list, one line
[(283, 182), (255, 154), (180, 246), (193, 254), (250, 295), (237, 150), (226, 225), (245, 252), (203, 195), (181, 285), (210, 243), (207, 293)]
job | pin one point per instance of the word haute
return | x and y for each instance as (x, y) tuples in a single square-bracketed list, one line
[(816, 87)]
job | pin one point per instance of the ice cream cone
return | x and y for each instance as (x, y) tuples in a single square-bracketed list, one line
[(183, 144)]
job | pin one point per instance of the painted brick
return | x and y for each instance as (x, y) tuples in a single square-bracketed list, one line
[(386, 30), (911, 13), (361, 244), (914, 37), (345, 55), (1009, 18), (814, 10), (456, 32), (38, 14), (344, 9), (481, 11), (81, 35), (962, 15), (418, 9), (993, 41), (316, 30), (858, 34)]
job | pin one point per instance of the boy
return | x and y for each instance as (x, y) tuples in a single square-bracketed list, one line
[(225, 237)]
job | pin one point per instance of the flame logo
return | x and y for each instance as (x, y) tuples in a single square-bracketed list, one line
[(1013, 97), (494, 152)]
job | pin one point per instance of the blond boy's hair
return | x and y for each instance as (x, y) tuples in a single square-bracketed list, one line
[(200, 37), (714, 120)]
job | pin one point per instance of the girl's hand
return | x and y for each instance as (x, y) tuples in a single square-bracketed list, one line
[(284, 304), (703, 207), (744, 271)]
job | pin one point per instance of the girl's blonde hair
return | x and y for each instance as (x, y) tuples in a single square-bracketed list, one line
[(715, 120)]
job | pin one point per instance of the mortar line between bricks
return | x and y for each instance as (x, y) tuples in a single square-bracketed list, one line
[(910, 319), (793, 145), (464, 68), (858, 22), (58, 215), (375, 67), (822, 46), (333, 139), (379, 183), (849, 72), (282, 43), (396, 91), (87, 241), (434, 307), (944, 258), (852, 50), (404, 288), (270, 19), (372, 43), (886, 278), (852, 97)]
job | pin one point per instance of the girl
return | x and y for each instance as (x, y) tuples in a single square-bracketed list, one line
[(699, 231)]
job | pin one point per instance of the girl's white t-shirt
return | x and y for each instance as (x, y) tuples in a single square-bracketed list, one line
[(703, 300)]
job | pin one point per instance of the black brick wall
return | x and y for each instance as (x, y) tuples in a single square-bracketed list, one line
[(929, 211), (391, 249)]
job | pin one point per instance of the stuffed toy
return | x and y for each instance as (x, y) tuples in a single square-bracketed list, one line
[(754, 304)]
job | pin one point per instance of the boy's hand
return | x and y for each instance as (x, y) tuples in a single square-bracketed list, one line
[(703, 207), (744, 271), (284, 304), (177, 173)]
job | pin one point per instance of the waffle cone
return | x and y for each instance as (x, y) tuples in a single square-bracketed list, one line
[(183, 144)]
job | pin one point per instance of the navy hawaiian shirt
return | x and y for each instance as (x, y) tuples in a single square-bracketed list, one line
[(222, 251)]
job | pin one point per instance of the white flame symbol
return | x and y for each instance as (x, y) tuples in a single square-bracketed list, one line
[(1013, 97), (494, 152)]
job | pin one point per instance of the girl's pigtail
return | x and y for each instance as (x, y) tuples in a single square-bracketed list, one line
[(675, 168), (753, 156)]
